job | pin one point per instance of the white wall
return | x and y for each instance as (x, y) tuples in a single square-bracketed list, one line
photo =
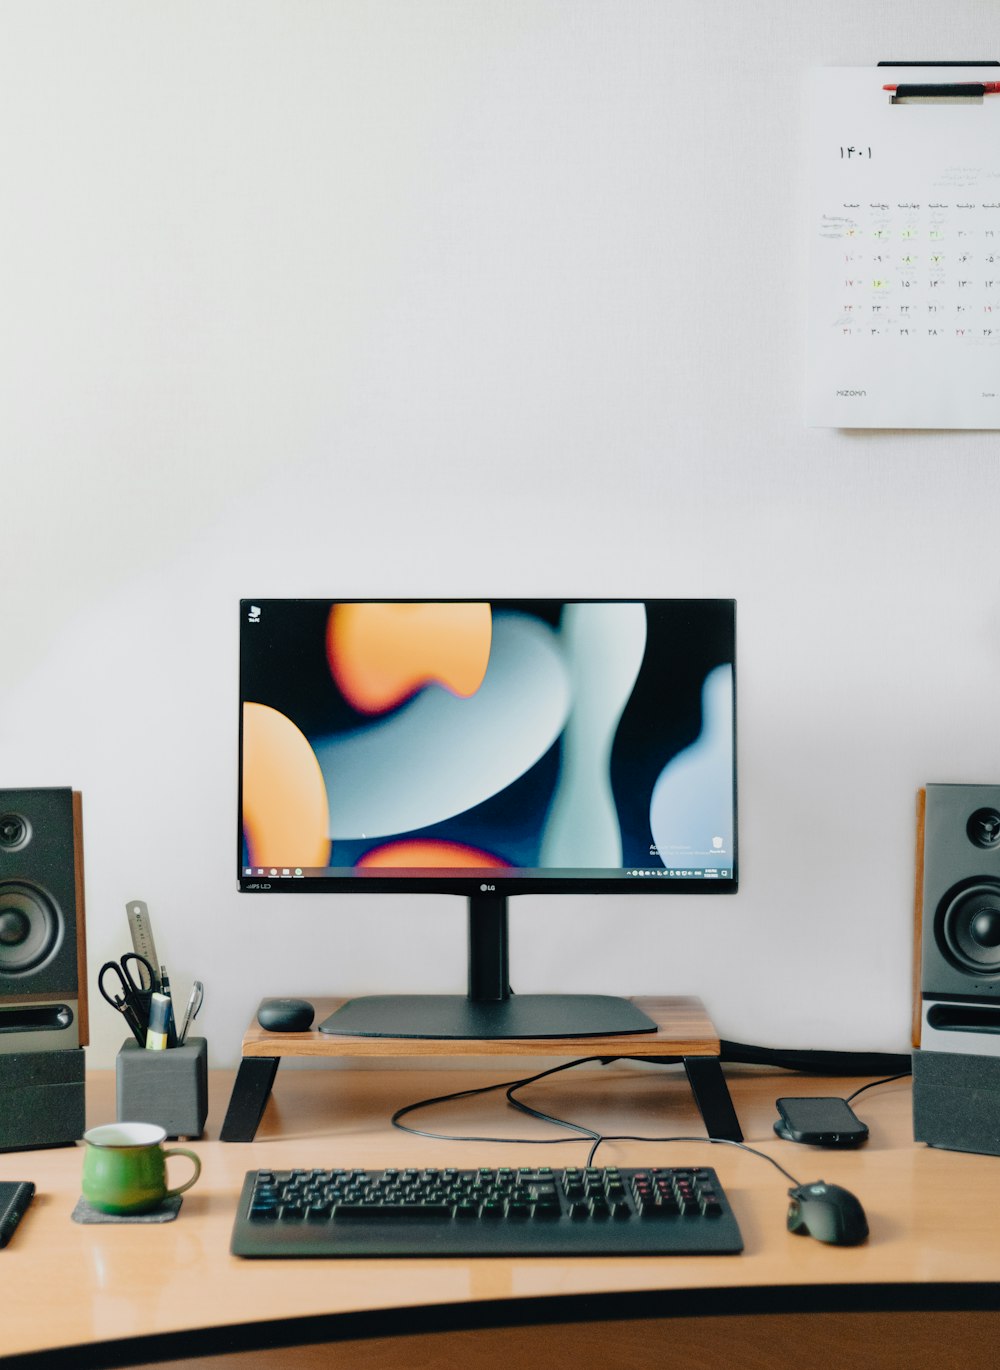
[(436, 296)]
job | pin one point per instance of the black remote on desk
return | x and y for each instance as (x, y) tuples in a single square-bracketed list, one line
[(15, 1195)]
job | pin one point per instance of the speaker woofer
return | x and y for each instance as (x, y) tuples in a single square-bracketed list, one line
[(31, 927), (968, 930)]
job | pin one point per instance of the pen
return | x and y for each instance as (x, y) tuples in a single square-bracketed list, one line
[(134, 1026), (159, 1021), (165, 991), (194, 1004), (970, 88)]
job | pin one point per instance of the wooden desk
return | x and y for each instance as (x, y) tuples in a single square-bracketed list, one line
[(925, 1289)]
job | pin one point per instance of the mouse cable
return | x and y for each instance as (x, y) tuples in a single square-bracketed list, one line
[(599, 1139)]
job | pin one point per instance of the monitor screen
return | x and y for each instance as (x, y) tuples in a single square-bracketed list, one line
[(506, 746)]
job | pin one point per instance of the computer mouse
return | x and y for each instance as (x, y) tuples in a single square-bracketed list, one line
[(285, 1015), (828, 1213)]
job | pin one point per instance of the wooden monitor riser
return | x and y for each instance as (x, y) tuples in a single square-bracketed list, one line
[(684, 1032)]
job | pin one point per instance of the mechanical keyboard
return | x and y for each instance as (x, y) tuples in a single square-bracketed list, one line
[(531, 1211)]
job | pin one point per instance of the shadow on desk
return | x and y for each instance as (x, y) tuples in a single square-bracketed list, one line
[(899, 1340)]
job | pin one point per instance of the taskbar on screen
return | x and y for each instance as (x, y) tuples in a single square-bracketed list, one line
[(486, 873)]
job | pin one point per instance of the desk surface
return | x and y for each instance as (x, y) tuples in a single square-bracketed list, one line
[(931, 1214)]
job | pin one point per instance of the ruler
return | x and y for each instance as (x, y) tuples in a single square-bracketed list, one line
[(142, 937)]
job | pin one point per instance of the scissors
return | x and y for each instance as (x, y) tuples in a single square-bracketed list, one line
[(124, 991)]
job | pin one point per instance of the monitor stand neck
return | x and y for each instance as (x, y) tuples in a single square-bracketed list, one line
[(489, 949)]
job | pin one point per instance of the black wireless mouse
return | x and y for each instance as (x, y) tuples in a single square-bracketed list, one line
[(285, 1015), (828, 1213)]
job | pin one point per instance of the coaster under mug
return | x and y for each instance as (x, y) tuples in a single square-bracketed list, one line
[(166, 1213)]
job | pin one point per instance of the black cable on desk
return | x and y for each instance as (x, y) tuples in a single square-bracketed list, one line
[(509, 1085)]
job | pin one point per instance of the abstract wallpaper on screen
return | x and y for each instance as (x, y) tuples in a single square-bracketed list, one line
[(529, 737)]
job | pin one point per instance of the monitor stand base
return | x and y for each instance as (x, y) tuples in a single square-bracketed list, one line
[(683, 1033), (454, 1017)]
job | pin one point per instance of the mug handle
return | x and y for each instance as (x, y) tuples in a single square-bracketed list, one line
[(181, 1151)]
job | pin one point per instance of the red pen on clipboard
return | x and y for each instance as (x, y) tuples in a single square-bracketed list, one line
[(967, 88)]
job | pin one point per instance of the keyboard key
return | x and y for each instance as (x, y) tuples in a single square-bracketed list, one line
[(392, 1212)]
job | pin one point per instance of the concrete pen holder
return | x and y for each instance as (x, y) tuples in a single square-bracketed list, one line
[(168, 1087)]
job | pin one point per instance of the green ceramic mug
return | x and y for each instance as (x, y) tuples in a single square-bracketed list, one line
[(125, 1167)]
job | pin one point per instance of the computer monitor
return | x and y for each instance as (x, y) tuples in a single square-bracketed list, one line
[(488, 749)]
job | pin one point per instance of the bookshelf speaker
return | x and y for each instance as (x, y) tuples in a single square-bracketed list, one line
[(956, 1019), (43, 961)]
